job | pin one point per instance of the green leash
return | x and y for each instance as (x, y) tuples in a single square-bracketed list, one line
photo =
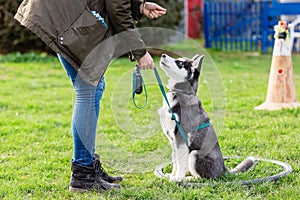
[(162, 89)]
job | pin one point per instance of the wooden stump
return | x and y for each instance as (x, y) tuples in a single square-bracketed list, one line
[(281, 89)]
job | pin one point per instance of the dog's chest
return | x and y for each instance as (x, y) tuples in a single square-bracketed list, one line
[(168, 125)]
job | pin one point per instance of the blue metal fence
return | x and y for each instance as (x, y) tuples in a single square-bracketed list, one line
[(245, 25)]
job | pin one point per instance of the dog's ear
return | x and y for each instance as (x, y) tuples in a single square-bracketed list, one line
[(197, 62)]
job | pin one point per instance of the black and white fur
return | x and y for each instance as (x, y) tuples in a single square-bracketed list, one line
[(202, 156)]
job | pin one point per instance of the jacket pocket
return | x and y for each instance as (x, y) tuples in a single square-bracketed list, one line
[(82, 36)]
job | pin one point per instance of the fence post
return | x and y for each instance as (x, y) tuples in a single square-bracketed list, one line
[(264, 26), (206, 26)]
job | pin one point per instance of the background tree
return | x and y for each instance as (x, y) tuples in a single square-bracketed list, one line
[(172, 21)]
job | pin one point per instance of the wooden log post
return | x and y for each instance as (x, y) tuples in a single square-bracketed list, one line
[(281, 89)]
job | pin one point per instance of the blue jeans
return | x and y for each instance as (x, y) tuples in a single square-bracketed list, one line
[(85, 115)]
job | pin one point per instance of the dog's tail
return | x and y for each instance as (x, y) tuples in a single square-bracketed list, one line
[(244, 166)]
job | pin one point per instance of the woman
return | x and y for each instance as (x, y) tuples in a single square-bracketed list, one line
[(75, 43)]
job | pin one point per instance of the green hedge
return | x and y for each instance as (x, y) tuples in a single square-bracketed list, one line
[(14, 37)]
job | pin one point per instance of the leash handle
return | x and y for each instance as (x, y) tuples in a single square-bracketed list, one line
[(137, 86), (138, 81)]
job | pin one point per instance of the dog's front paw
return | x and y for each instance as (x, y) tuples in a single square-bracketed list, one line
[(175, 179)]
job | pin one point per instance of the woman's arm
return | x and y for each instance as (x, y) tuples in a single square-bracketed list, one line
[(121, 20), (122, 14)]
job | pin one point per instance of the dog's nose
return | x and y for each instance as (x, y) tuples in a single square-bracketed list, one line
[(164, 56)]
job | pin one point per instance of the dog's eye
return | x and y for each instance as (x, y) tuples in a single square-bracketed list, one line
[(180, 64)]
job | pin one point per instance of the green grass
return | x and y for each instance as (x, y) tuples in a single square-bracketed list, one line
[(36, 101)]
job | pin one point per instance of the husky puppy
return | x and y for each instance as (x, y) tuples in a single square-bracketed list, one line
[(201, 156)]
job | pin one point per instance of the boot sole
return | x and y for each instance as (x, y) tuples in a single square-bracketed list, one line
[(81, 190)]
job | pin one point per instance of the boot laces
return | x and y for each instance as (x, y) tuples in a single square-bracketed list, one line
[(99, 169)]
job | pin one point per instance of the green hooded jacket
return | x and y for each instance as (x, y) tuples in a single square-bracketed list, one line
[(70, 29)]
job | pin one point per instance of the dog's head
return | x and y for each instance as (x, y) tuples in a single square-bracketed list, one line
[(182, 69)]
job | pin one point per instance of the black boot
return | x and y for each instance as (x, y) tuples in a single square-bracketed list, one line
[(85, 179), (102, 173)]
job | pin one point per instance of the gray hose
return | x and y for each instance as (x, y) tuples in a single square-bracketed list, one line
[(287, 170)]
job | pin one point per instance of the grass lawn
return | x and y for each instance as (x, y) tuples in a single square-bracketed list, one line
[(36, 101)]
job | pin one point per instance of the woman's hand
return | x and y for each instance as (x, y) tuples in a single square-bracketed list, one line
[(146, 62), (152, 10)]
